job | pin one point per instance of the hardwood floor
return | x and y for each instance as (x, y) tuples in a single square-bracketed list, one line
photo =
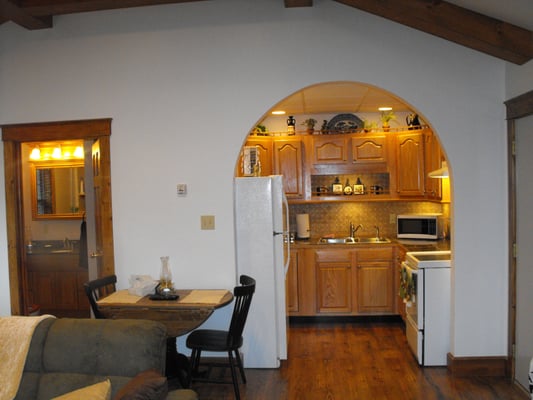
[(342, 361)]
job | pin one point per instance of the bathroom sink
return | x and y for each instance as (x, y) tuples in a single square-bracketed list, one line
[(350, 240), (61, 251)]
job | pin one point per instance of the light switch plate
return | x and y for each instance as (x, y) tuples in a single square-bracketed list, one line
[(207, 222)]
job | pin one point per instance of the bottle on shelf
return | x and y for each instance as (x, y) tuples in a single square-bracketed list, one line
[(336, 188), (359, 188), (348, 188), (291, 125)]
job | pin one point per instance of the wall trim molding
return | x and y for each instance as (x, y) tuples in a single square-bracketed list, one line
[(477, 366)]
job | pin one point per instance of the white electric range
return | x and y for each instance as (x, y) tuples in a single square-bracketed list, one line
[(426, 279)]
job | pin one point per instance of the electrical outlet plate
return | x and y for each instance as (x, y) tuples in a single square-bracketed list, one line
[(392, 218), (207, 222), (181, 189)]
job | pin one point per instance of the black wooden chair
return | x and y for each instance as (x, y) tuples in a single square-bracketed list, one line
[(98, 288), (228, 341)]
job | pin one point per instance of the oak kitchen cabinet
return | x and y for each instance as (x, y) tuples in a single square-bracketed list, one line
[(280, 156), (410, 168), (56, 284), (349, 153), (375, 280), (291, 284), (329, 149), (264, 149), (288, 161), (334, 277), (402, 158), (369, 149), (418, 153), (344, 280), (432, 161)]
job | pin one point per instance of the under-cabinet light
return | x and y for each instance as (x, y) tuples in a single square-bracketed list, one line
[(442, 172)]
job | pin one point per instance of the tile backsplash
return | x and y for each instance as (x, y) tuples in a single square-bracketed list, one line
[(334, 218)]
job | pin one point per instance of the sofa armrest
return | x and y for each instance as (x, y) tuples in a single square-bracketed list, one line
[(182, 394)]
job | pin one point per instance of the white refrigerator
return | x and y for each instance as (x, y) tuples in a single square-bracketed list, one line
[(261, 229)]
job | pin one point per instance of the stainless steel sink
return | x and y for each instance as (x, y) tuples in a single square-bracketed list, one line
[(372, 240), (334, 240), (350, 240)]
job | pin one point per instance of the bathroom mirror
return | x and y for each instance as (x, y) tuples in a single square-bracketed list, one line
[(58, 191)]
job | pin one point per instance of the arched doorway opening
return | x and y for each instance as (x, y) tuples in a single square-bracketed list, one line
[(350, 154)]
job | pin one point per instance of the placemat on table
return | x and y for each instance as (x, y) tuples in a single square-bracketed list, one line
[(121, 296), (204, 296)]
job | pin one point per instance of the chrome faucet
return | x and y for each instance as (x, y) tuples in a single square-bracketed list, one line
[(354, 229), (377, 231)]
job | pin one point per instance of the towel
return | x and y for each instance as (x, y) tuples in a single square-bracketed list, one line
[(15, 335), (84, 260)]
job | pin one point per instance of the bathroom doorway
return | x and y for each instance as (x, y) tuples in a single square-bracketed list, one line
[(95, 134)]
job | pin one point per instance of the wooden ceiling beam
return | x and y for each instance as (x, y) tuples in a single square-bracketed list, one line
[(298, 3), (459, 25), (12, 12), (57, 7)]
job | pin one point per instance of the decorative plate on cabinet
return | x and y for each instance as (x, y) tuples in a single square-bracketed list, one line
[(345, 123)]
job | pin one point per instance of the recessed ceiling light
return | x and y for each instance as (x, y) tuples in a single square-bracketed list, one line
[(385, 108), (278, 112)]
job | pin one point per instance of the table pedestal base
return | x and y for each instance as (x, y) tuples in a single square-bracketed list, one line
[(177, 366)]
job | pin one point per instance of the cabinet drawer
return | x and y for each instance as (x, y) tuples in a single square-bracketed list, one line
[(381, 253), (333, 256)]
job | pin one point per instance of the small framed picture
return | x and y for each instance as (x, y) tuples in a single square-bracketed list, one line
[(358, 189)]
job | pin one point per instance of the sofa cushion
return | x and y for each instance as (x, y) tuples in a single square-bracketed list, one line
[(104, 347), (98, 391), (148, 385)]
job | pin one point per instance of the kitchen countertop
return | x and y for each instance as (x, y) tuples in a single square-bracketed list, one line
[(408, 245)]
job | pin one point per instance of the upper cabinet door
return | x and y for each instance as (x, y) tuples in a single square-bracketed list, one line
[(433, 157), (330, 149), (369, 149), (264, 154), (410, 164), (288, 162)]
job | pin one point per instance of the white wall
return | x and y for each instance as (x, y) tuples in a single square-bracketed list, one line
[(519, 79), (184, 84)]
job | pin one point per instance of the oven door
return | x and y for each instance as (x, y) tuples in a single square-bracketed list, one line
[(415, 339), (412, 288)]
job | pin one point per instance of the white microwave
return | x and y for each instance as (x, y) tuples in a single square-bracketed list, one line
[(418, 226)]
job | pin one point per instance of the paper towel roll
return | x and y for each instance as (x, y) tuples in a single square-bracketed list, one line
[(302, 226)]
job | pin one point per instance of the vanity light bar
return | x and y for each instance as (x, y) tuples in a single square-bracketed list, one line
[(57, 153)]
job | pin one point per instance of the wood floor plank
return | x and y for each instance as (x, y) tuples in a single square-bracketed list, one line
[(345, 361)]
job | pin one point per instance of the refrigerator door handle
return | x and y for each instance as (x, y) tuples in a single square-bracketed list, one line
[(286, 205)]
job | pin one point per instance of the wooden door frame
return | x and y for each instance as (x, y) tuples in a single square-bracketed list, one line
[(517, 107), (13, 135)]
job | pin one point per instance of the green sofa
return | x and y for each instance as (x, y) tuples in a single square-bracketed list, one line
[(68, 354)]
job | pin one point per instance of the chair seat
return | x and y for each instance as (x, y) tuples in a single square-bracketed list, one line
[(211, 340)]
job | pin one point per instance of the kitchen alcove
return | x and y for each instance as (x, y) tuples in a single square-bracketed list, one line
[(407, 148)]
